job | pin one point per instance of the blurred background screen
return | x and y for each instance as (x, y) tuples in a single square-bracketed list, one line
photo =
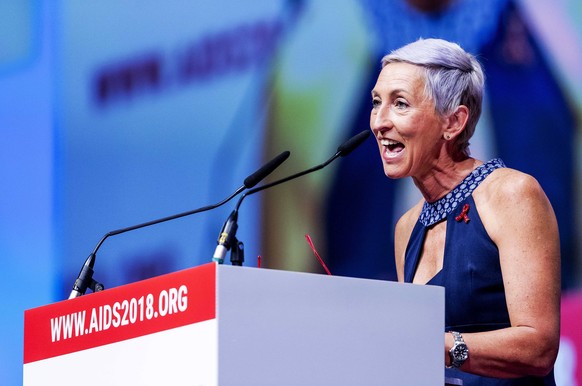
[(116, 113)]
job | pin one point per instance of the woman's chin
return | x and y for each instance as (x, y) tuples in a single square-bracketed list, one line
[(394, 173)]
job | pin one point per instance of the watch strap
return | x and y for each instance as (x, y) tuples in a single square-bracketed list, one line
[(459, 353)]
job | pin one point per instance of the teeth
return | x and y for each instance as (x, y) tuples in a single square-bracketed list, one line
[(388, 142)]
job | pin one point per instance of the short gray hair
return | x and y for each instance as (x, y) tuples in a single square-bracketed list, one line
[(453, 77)]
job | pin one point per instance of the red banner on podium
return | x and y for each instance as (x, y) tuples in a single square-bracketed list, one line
[(114, 315)]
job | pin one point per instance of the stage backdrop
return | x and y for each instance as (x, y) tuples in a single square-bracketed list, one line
[(160, 111), (116, 113)]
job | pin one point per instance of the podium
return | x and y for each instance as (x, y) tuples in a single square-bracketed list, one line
[(225, 325)]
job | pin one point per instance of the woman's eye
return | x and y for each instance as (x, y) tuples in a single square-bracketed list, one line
[(400, 104)]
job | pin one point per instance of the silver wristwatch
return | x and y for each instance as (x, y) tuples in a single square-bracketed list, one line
[(459, 353)]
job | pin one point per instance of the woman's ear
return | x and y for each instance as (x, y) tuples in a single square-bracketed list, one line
[(456, 122)]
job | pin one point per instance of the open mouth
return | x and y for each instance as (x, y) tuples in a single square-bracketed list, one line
[(392, 147)]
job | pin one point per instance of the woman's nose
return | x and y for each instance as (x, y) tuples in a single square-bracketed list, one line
[(379, 121)]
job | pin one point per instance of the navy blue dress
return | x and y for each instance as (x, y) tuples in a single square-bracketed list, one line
[(471, 273)]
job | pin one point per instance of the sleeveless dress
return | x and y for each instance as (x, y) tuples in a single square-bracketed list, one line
[(471, 273)]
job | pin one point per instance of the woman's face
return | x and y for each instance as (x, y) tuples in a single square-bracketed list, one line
[(408, 130)]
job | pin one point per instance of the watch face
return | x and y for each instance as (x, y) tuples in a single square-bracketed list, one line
[(460, 352)]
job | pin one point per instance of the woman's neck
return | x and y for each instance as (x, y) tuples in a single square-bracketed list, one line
[(444, 177)]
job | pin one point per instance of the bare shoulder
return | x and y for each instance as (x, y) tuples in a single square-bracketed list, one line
[(510, 197), (506, 186), (408, 220), (402, 234)]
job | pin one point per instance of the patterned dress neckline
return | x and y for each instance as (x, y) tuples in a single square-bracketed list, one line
[(437, 211)]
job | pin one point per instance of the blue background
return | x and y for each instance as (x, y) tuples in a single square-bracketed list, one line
[(115, 113)]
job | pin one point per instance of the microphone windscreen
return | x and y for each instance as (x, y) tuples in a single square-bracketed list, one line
[(267, 169), (348, 146)]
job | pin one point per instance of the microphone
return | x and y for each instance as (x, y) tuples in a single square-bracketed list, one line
[(85, 278), (351, 144), (343, 150), (263, 172), (227, 236)]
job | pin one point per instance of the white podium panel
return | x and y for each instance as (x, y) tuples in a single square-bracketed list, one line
[(224, 325)]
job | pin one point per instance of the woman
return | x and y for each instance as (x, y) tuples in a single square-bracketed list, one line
[(485, 232)]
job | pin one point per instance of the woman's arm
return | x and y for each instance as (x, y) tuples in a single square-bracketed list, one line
[(520, 220)]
